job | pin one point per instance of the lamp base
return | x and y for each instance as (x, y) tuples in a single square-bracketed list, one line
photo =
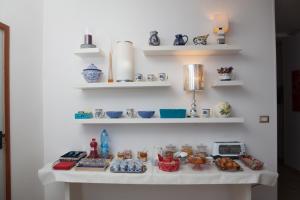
[(196, 116), (193, 114), (84, 46), (193, 110)]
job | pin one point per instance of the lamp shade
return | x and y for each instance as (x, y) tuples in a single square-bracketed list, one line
[(124, 69), (193, 77), (220, 21)]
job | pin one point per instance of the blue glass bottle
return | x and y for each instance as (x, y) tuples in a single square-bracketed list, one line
[(104, 147)]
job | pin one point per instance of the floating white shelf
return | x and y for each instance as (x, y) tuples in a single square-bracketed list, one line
[(227, 83), (202, 50), (91, 52), (142, 84), (163, 121)]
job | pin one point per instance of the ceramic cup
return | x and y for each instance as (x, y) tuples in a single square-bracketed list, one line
[(205, 113), (99, 113), (163, 76), (130, 113), (139, 77), (151, 77)]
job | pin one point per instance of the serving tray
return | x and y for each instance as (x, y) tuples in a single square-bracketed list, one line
[(228, 170), (144, 169)]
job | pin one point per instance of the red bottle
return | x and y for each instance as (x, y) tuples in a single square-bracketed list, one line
[(94, 149)]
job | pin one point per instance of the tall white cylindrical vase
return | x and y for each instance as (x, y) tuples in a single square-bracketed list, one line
[(124, 69)]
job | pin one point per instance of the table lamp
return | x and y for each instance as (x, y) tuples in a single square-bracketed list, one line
[(221, 26), (193, 81)]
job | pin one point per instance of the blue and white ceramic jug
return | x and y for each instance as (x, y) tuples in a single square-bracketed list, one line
[(179, 39)]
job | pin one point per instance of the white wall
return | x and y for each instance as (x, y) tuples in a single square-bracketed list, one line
[(64, 22), (291, 62), (25, 21), (252, 25)]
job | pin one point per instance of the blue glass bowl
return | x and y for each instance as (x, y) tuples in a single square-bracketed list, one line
[(114, 114), (146, 114)]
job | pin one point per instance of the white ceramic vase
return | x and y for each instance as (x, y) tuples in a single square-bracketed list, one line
[(225, 77), (223, 110), (124, 69)]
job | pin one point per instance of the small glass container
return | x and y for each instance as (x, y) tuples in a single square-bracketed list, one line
[(131, 166), (139, 77), (143, 156), (188, 149), (123, 166), (115, 165), (151, 77), (138, 166), (127, 154), (157, 150), (201, 150), (130, 113), (120, 155), (163, 76), (99, 113), (170, 150), (205, 113)]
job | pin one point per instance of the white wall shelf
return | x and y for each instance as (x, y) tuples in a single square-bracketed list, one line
[(232, 120), (153, 176), (227, 83), (89, 52), (202, 50), (142, 84)]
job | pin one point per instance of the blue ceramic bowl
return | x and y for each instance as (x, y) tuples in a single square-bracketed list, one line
[(114, 114), (146, 114), (172, 113)]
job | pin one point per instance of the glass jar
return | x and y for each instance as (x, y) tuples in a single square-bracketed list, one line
[(127, 154), (201, 150), (120, 155), (170, 150), (188, 149), (143, 156)]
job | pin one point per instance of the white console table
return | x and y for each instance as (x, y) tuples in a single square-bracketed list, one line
[(241, 181)]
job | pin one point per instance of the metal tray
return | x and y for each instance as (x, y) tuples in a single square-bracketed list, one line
[(144, 169), (228, 170)]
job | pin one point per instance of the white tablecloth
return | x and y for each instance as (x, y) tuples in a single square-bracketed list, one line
[(153, 176)]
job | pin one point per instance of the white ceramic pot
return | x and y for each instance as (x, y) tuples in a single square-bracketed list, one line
[(225, 77), (124, 69)]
